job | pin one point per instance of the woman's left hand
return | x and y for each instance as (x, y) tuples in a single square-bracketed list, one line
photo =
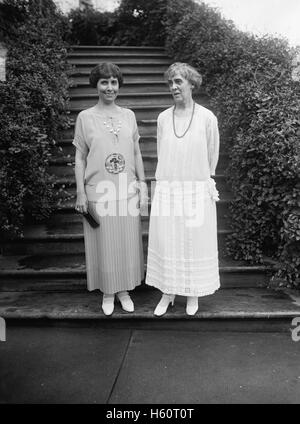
[(214, 194)]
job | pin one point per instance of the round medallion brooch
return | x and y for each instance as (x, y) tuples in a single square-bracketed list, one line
[(115, 163)]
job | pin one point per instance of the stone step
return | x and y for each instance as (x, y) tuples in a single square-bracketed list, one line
[(117, 49), (126, 67), (65, 189), (147, 146), (68, 185), (64, 215), (147, 127), (65, 218), (116, 53), (72, 222), (129, 76), (66, 154), (133, 87), (84, 101), (51, 272), (39, 239), (92, 59), (243, 309), (64, 167), (78, 58), (142, 112)]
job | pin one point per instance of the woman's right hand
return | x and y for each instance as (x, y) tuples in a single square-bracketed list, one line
[(81, 203)]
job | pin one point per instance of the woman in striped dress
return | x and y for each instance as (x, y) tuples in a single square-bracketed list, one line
[(183, 250), (110, 185)]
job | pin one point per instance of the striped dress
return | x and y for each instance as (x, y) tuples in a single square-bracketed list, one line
[(113, 251)]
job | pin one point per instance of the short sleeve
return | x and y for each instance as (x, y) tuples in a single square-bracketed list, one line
[(213, 143), (79, 139)]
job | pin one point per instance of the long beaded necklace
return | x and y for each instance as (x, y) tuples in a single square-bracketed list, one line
[(112, 129), (181, 136)]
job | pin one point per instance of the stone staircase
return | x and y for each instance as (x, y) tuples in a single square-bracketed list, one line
[(50, 257)]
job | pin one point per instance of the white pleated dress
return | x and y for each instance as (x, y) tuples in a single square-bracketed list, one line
[(183, 246)]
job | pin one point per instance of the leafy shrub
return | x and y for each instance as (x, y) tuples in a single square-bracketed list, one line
[(134, 22), (32, 108), (257, 103), (140, 22), (90, 27)]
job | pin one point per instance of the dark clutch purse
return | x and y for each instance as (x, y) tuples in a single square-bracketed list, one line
[(92, 216)]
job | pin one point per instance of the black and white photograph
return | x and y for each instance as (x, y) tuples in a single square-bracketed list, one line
[(149, 205)]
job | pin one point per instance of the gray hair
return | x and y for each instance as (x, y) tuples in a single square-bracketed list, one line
[(186, 71)]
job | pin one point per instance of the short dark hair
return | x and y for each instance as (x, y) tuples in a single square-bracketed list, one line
[(105, 70)]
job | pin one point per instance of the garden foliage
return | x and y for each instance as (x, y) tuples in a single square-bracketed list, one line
[(32, 108), (257, 102), (134, 22)]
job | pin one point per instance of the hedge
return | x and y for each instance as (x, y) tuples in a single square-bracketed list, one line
[(33, 104), (249, 80), (134, 22)]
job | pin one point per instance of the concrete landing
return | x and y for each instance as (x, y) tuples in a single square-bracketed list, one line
[(91, 365), (264, 305)]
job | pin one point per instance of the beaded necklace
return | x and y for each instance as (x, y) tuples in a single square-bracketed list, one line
[(112, 129), (181, 136)]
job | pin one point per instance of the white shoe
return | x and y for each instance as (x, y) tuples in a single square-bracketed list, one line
[(108, 303), (126, 302), (191, 305), (162, 306)]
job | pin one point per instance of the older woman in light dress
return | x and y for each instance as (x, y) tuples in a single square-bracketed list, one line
[(183, 249)]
